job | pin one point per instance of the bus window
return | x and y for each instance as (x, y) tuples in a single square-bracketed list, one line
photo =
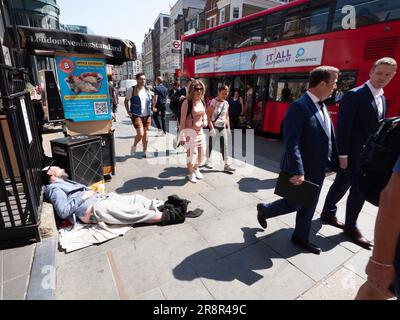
[(367, 12), (293, 25), (273, 27), (317, 20), (221, 39), (260, 91), (289, 88), (314, 21), (248, 33), (201, 44), (346, 82)]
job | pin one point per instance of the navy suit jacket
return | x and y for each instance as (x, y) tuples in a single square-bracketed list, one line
[(307, 141), (358, 118)]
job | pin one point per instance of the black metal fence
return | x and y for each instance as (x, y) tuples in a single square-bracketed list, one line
[(20, 156), (20, 163)]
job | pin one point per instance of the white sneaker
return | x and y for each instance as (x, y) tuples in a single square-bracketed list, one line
[(198, 174), (209, 165), (228, 168), (192, 177)]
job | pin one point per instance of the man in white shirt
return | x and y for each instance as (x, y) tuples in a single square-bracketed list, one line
[(138, 103), (360, 111)]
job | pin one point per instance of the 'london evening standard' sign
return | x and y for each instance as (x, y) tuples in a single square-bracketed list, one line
[(295, 55), (116, 51)]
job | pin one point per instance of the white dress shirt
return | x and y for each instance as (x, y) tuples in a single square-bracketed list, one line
[(323, 113), (377, 93)]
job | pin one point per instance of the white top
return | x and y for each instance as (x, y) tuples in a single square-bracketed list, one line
[(143, 98), (377, 93), (220, 112), (323, 113)]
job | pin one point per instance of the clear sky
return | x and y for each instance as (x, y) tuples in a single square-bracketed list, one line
[(125, 19)]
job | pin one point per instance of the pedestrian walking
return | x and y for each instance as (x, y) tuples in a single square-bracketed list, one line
[(138, 102), (219, 125), (193, 119), (360, 111), (309, 148), (236, 109), (159, 105), (383, 268), (113, 92), (174, 99)]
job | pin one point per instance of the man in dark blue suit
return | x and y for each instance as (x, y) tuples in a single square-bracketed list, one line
[(310, 148), (360, 112)]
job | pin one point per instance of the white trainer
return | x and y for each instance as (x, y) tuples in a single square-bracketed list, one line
[(198, 174), (192, 177), (209, 165)]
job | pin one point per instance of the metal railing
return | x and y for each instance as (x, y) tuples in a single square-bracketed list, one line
[(20, 156)]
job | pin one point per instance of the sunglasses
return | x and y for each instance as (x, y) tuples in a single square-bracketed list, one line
[(198, 89)]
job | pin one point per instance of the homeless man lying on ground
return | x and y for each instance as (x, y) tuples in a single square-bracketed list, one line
[(72, 200)]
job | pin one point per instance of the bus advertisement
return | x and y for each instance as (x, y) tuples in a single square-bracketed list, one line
[(268, 55)]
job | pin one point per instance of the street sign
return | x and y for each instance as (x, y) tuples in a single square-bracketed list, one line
[(176, 46)]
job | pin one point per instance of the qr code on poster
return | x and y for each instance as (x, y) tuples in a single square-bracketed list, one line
[(100, 108)]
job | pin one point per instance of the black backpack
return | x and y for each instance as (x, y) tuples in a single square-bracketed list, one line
[(378, 158)]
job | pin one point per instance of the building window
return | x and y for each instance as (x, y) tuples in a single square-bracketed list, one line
[(236, 12), (222, 16)]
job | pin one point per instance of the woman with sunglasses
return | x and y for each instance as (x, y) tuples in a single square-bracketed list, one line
[(192, 121)]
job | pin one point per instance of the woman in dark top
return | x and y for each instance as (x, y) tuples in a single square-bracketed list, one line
[(235, 109)]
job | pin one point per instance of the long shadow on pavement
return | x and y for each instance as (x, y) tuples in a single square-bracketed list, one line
[(148, 183), (253, 185), (239, 265)]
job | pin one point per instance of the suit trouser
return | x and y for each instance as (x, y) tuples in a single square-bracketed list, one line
[(344, 180), (303, 217), (160, 111)]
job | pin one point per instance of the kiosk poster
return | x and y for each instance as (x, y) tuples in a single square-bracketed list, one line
[(84, 88)]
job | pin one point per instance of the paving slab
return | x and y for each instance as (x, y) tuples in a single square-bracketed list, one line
[(341, 285), (255, 272), (155, 294), (15, 289), (358, 263), (315, 266), (186, 290), (17, 262), (229, 199), (90, 279), (231, 233), (181, 246)]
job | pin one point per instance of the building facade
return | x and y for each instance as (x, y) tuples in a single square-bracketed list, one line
[(221, 11), (130, 69), (76, 28), (39, 14), (185, 18), (160, 26), (147, 56), (170, 57)]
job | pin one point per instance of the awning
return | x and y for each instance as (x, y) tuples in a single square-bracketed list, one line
[(46, 42)]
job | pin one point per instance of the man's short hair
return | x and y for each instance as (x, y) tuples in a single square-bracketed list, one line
[(141, 74), (322, 73), (386, 60), (159, 79)]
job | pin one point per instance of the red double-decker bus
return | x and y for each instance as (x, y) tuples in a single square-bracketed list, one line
[(268, 55)]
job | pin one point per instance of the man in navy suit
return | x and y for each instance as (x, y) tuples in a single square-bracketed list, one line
[(310, 148), (360, 112)]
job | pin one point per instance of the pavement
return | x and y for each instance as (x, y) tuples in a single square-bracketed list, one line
[(223, 254)]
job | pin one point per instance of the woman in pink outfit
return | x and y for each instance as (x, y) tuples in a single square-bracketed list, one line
[(192, 121)]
